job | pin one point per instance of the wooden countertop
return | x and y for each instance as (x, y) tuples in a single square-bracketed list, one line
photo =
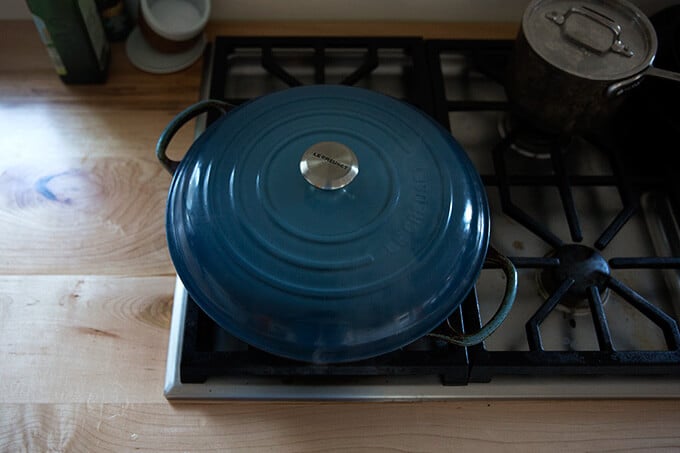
[(86, 290)]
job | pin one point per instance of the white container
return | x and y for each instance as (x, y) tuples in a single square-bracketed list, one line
[(173, 25)]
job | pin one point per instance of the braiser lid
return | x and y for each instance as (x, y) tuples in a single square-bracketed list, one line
[(327, 223), (594, 39)]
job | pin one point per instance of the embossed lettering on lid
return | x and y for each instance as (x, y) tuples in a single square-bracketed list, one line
[(329, 165)]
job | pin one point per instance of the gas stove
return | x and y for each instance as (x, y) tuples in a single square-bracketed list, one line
[(594, 237)]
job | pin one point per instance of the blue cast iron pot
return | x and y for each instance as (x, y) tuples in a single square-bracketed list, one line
[(327, 223)]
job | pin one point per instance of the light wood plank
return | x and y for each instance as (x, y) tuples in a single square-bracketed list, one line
[(83, 339), (81, 191), (76, 202), (71, 213), (508, 426), (55, 133)]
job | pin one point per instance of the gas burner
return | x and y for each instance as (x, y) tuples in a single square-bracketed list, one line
[(529, 141), (582, 264)]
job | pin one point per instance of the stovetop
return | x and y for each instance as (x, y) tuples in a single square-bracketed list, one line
[(565, 210)]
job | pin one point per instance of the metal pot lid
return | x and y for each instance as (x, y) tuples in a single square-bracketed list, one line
[(593, 39), (327, 223)]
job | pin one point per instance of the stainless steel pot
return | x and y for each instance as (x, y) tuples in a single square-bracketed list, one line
[(573, 61)]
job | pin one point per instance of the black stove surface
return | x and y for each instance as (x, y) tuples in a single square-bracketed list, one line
[(579, 276)]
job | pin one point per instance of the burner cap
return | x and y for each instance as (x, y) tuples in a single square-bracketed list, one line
[(527, 140), (586, 266)]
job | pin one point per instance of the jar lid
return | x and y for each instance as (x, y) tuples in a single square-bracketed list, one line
[(327, 223), (593, 39)]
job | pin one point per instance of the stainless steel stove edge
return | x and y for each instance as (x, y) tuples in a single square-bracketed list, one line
[(172, 366), (408, 388)]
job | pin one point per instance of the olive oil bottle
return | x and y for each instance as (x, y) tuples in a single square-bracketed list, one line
[(75, 39)]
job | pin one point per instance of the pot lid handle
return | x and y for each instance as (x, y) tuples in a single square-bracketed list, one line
[(589, 37)]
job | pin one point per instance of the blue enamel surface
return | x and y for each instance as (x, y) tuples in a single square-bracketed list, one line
[(327, 275)]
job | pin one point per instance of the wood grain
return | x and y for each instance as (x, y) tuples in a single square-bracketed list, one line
[(71, 212), (83, 339), (81, 191), (427, 427)]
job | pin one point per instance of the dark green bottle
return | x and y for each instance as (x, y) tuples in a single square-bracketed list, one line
[(75, 39)]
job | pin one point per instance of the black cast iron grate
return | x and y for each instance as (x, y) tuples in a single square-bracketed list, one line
[(317, 53), (491, 58), (424, 88)]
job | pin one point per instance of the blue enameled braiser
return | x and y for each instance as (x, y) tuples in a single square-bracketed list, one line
[(350, 267)]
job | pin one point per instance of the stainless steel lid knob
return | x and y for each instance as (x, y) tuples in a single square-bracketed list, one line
[(329, 165)]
